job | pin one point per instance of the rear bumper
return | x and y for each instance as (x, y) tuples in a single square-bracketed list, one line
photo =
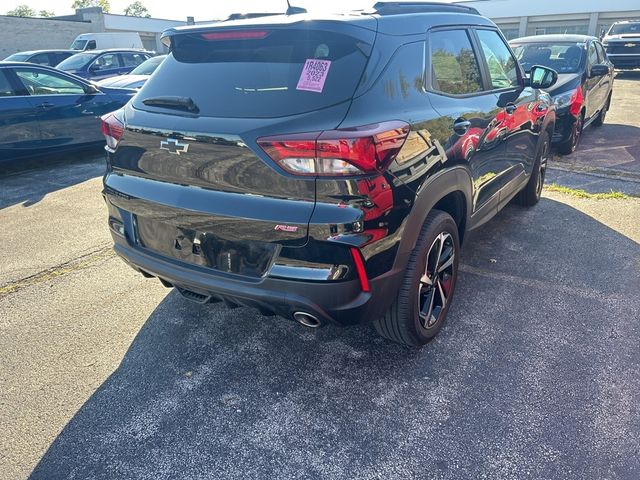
[(341, 303)]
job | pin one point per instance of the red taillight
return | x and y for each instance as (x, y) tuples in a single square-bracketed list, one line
[(236, 35), (112, 129), (351, 151), (360, 270), (577, 101)]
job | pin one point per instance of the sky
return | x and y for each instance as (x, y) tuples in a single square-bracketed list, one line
[(200, 9)]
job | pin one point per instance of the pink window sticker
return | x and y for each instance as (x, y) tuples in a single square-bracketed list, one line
[(314, 73)]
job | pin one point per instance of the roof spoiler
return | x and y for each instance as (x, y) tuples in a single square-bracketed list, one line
[(399, 8)]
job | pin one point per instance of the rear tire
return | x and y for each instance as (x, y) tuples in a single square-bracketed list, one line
[(426, 292), (531, 193)]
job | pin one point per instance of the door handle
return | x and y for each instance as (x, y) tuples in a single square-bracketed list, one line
[(46, 105), (461, 126), (510, 108)]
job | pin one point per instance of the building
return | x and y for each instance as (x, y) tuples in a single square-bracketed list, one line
[(25, 33), (519, 18)]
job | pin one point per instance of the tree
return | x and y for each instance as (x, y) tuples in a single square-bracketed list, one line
[(22, 11), (46, 13), (92, 3), (137, 9)]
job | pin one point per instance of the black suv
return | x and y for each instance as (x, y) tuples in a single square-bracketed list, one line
[(326, 169)]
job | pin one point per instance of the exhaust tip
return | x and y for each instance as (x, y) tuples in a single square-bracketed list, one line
[(307, 319)]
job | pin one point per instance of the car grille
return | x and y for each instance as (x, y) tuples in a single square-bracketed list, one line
[(624, 47)]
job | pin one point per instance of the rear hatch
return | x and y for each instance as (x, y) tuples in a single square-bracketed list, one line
[(188, 166)]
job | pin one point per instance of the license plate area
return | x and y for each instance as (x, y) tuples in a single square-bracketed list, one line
[(204, 248)]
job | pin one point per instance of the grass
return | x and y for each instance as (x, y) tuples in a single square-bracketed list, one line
[(584, 194)]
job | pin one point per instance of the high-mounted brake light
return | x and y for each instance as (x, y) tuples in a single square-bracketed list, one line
[(112, 129), (577, 101), (236, 35), (352, 151)]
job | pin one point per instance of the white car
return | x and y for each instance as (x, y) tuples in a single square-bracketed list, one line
[(138, 76)]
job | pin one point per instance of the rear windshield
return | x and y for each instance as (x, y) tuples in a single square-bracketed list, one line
[(18, 57), (272, 73), (76, 61)]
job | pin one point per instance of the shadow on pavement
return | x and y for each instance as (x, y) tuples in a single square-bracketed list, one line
[(29, 181), (536, 371)]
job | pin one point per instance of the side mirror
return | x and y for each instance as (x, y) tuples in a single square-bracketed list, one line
[(94, 68), (599, 71), (602, 33), (91, 89), (542, 77)]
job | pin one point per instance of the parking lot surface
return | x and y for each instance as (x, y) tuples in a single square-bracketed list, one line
[(105, 374)]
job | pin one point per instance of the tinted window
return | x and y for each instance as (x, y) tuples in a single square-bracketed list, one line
[(47, 83), (59, 57), (132, 59), (454, 66), (602, 56), (108, 61), (40, 59), (259, 77), (17, 57), (503, 68), (91, 45), (562, 57), (6, 90), (593, 54)]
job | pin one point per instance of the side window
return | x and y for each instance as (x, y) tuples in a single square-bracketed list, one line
[(602, 56), (40, 59), (503, 67), (59, 57), (39, 82), (6, 90), (454, 66), (593, 54), (107, 61), (91, 45), (132, 59)]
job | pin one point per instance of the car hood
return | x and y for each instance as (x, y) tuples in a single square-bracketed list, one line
[(124, 81), (621, 38), (566, 81)]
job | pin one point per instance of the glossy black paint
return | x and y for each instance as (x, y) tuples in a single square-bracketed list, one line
[(225, 186), (594, 78), (32, 125)]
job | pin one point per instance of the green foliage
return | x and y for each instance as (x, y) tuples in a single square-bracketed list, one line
[(137, 9), (92, 3), (22, 11), (46, 13)]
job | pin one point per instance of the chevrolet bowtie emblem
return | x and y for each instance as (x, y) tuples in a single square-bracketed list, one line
[(173, 146), (629, 45)]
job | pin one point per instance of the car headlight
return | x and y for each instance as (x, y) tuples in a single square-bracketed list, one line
[(564, 99)]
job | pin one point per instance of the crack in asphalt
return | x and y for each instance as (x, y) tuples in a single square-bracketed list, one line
[(80, 263)]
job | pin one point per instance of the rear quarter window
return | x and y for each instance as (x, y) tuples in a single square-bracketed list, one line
[(258, 77)]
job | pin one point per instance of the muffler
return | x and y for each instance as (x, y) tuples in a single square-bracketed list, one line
[(306, 319)]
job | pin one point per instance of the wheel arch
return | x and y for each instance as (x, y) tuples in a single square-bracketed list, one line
[(449, 190)]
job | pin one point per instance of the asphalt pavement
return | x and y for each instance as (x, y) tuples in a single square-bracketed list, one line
[(105, 374)]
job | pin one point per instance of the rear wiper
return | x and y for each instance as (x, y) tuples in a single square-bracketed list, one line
[(178, 103)]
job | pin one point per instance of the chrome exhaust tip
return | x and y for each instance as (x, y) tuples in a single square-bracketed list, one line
[(307, 319)]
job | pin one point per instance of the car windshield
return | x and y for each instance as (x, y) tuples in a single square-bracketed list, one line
[(76, 62), (17, 57), (625, 29), (78, 45), (149, 66), (562, 57)]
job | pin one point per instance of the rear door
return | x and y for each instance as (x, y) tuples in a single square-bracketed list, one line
[(475, 122), (189, 152), (19, 130), (130, 61), (105, 66)]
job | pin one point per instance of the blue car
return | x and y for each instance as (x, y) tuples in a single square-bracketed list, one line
[(99, 64), (43, 110)]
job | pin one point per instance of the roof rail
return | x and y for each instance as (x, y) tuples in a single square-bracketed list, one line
[(398, 8)]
